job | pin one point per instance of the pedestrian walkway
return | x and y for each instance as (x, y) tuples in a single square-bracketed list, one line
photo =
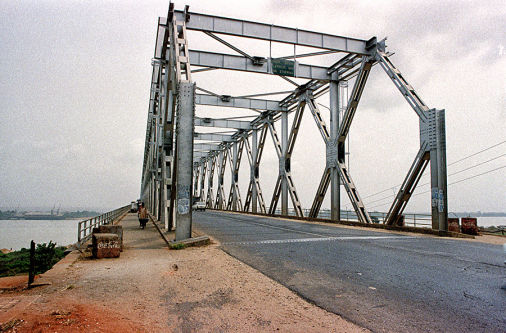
[(150, 288), (135, 237)]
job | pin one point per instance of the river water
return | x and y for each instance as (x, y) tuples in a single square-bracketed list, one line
[(16, 234)]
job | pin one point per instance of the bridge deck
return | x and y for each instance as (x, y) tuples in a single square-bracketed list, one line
[(380, 280)]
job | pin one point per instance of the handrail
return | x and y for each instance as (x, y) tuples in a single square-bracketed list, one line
[(410, 219), (85, 228)]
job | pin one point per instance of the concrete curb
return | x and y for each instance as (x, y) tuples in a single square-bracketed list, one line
[(194, 241), (159, 230), (357, 224)]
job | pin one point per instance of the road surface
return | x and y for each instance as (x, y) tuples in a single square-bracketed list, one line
[(382, 281)]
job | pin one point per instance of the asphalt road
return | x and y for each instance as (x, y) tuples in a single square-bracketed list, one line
[(385, 282)]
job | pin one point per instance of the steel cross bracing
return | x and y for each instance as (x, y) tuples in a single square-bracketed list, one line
[(172, 100)]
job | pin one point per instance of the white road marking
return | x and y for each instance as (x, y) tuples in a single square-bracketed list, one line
[(322, 239)]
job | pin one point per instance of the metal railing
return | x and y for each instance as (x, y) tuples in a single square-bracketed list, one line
[(410, 219), (85, 228)]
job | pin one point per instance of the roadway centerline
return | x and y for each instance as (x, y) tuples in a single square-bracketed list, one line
[(303, 240)]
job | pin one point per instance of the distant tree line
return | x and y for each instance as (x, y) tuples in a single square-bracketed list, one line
[(79, 213), (7, 214)]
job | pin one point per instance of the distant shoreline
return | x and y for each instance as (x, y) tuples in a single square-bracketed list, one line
[(48, 219)]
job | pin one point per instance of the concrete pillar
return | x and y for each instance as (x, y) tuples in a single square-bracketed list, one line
[(184, 142), (284, 145), (253, 175), (335, 182)]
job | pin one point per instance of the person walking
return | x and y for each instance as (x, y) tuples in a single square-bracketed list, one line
[(143, 215)]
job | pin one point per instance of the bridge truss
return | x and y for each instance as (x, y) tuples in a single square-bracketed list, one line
[(176, 166)]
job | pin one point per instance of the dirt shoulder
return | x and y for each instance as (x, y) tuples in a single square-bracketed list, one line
[(150, 288)]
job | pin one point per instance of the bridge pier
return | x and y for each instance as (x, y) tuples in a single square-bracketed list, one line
[(184, 142)]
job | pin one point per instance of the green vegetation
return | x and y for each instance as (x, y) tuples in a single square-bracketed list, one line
[(17, 262), (7, 214), (177, 246), (494, 230), (84, 213)]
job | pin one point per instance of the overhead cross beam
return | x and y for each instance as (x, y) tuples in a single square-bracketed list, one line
[(238, 102), (212, 137), (269, 32), (209, 122), (240, 63)]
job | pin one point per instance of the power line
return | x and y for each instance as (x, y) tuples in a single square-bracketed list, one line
[(456, 182), (481, 151), (372, 195), (474, 166), (464, 158), (483, 173), (470, 177), (387, 197)]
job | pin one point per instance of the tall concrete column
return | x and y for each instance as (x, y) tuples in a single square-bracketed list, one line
[(438, 176), (184, 142), (284, 145), (335, 183), (253, 171)]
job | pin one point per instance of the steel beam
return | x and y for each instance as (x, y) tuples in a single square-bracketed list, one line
[(211, 166), (356, 93), (239, 63), (239, 102), (284, 156), (220, 196), (199, 154), (213, 137), (284, 145), (335, 183), (255, 195), (209, 122), (205, 146), (408, 186), (404, 87), (274, 33)]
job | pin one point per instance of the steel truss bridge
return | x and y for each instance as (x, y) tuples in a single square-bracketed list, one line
[(175, 167)]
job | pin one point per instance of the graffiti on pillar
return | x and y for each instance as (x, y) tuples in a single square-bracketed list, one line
[(183, 199)]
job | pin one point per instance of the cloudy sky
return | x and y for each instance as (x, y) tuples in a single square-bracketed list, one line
[(74, 89)]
